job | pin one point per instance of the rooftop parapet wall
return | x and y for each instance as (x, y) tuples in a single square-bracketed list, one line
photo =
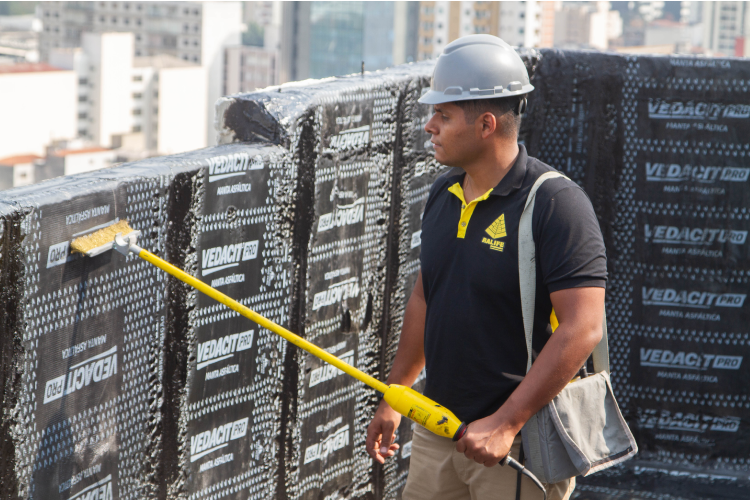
[(310, 212)]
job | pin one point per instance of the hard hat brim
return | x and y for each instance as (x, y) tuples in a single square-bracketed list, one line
[(438, 97)]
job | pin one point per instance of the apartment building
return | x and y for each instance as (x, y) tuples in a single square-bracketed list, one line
[(38, 103), (153, 103), (323, 39), (249, 68), (523, 24), (195, 32), (726, 28)]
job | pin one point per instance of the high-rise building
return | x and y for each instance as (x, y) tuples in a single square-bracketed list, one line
[(726, 26), (589, 25), (38, 104), (249, 68), (322, 39), (155, 104), (524, 24), (104, 66), (192, 31)]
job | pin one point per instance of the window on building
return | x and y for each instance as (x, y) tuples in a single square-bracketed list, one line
[(195, 58), (196, 12), (137, 78), (186, 27), (185, 57), (136, 128), (83, 98), (101, 19), (156, 110), (196, 28), (137, 95), (126, 21), (137, 38), (83, 81), (114, 20), (138, 22), (82, 115), (137, 6), (138, 52), (126, 6), (186, 12), (137, 111), (195, 43)]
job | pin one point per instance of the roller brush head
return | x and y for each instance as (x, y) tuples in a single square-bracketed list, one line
[(102, 240)]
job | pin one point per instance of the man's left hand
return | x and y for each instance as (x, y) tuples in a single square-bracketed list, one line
[(486, 441)]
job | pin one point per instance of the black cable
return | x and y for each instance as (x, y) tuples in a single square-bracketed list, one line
[(518, 476), (519, 468)]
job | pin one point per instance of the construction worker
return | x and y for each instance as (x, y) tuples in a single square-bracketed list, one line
[(463, 321)]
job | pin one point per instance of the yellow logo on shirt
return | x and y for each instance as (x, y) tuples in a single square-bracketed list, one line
[(494, 244), (497, 229)]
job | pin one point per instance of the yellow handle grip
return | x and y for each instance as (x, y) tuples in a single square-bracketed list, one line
[(423, 411), (261, 320)]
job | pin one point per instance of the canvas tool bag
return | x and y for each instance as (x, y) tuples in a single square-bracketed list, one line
[(581, 431)]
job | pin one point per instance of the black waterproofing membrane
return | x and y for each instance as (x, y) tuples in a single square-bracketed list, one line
[(118, 381)]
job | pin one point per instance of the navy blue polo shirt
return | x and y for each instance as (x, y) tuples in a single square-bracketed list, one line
[(474, 338)]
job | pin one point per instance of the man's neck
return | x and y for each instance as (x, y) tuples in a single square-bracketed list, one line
[(485, 173)]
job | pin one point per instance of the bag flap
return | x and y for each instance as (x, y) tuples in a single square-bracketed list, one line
[(589, 421)]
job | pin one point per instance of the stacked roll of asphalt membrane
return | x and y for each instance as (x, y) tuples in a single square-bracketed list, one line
[(120, 381)]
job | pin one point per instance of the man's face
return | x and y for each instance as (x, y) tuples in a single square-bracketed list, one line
[(454, 139)]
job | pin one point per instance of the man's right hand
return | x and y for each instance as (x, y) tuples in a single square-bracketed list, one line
[(382, 432)]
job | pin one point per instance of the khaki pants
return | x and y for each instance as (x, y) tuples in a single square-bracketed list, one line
[(438, 471)]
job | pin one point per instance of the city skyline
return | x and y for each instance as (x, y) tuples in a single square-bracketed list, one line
[(115, 102)]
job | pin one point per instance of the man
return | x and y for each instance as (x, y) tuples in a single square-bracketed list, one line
[(463, 322)]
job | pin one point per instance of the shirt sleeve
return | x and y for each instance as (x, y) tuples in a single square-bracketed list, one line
[(569, 243)]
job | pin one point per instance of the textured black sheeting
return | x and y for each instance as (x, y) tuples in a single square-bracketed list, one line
[(11, 350), (251, 122), (232, 361), (179, 230), (162, 197), (361, 165), (661, 146), (84, 425)]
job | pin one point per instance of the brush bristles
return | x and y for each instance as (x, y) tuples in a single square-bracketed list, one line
[(100, 237)]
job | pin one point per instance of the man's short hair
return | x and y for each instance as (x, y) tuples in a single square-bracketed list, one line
[(505, 110)]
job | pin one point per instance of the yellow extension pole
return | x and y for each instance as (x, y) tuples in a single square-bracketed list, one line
[(262, 321)]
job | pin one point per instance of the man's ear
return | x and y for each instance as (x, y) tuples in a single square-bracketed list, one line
[(488, 124)]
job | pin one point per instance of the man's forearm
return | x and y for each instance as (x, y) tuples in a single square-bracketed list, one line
[(555, 366), (563, 355)]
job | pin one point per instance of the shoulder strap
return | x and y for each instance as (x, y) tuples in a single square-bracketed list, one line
[(527, 279)]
